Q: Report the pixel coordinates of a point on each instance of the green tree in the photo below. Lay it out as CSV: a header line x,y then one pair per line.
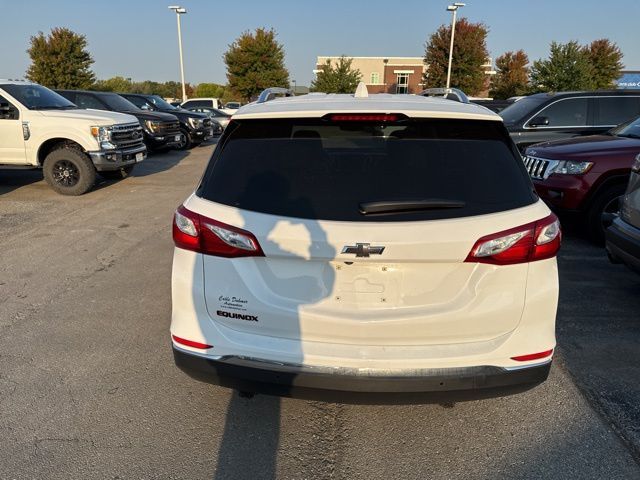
x,y
512,77
567,68
469,54
209,90
606,59
114,84
60,60
255,61
340,78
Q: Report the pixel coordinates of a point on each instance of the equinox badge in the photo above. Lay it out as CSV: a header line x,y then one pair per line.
x,y
362,250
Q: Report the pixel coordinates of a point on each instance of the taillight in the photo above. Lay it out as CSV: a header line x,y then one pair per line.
x,y
190,343
198,233
527,243
365,117
533,356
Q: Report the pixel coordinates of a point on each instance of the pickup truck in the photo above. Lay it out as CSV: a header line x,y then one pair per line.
x,y
41,129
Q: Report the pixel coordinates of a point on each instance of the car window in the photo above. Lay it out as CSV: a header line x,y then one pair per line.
x,y
197,103
312,168
616,110
84,100
140,102
521,108
7,110
570,112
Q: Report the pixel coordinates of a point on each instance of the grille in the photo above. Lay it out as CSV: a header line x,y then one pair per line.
x,y
169,128
539,168
127,136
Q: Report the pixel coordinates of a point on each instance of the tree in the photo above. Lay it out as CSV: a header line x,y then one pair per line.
x,y
114,84
469,54
512,77
255,61
210,90
606,59
568,68
60,60
337,79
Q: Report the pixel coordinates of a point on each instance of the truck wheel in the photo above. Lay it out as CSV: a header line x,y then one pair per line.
x,y
187,142
604,209
119,174
69,171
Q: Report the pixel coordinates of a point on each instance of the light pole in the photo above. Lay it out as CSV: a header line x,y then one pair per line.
x,y
180,11
452,8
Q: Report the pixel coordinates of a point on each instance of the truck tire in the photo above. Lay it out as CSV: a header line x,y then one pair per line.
x,y
69,171
604,208
187,141
119,174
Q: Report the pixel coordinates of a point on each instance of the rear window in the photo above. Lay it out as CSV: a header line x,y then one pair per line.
x,y
316,169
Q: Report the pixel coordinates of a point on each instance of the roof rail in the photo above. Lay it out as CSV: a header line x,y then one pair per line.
x,y
454,94
271,93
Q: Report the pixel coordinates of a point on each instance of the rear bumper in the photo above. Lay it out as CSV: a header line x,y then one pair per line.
x,y
623,244
345,384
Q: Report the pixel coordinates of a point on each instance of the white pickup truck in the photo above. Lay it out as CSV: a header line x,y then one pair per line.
x,y
41,129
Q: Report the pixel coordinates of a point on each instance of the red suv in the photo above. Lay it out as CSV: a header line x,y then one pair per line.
x,y
586,175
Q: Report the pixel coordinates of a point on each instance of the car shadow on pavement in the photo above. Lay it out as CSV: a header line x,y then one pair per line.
x,y
249,444
12,179
159,162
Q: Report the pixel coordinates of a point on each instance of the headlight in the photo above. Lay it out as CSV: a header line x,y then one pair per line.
x,y
103,136
195,122
569,167
152,125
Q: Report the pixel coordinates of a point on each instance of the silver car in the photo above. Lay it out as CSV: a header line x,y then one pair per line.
x,y
623,236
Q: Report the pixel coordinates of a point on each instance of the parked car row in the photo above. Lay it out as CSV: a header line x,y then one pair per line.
x,y
74,135
582,151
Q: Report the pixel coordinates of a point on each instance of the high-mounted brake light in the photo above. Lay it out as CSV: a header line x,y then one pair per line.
x,y
190,343
527,243
198,233
366,117
533,356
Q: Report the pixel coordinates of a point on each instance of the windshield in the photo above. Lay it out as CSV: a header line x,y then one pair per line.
x,y
422,169
161,103
628,129
37,97
519,109
117,103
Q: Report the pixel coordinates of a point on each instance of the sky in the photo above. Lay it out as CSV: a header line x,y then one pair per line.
x,y
138,38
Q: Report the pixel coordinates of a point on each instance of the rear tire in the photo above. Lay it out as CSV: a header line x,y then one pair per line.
x,y
604,209
119,174
69,171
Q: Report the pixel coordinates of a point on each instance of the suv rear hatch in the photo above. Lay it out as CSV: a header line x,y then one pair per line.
x,y
365,225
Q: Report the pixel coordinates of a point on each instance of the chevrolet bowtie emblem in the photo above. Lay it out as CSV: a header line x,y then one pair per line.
x,y
362,250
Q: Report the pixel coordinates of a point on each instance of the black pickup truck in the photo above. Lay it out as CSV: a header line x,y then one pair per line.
x,y
160,130
196,127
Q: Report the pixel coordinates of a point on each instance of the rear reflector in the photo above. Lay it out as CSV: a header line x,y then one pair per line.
x,y
526,243
366,117
201,234
533,356
191,343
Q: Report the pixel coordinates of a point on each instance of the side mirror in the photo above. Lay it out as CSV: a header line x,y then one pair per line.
x,y
539,121
146,107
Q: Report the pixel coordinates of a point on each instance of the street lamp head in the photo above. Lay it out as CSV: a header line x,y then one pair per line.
x,y
451,8
178,9
458,4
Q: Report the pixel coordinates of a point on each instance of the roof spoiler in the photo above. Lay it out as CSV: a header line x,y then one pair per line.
x,y
454,94
273,92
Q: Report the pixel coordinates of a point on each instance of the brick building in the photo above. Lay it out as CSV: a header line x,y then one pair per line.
x,y
395,74
386,74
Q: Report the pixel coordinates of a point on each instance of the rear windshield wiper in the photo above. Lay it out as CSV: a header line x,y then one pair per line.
x,y
400,206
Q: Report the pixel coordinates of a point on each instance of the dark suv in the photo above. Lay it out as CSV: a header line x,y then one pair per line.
x,y
160,130
554,116
195,127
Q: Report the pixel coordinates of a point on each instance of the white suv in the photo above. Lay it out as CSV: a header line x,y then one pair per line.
x,y
365,244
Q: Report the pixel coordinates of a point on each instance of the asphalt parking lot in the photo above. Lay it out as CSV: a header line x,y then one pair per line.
x,y
88,388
